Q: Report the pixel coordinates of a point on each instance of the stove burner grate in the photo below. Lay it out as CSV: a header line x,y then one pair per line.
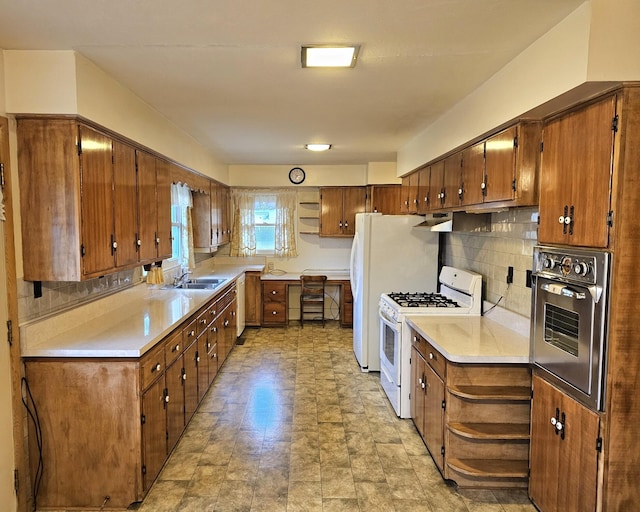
x,y
422,300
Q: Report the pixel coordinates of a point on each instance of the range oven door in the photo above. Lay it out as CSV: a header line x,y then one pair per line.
x,y
568,338
390,363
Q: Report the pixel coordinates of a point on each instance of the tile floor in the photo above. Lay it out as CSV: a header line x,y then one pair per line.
x,y
291,424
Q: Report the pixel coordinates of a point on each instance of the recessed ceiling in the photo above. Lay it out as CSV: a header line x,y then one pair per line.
x,y
228,72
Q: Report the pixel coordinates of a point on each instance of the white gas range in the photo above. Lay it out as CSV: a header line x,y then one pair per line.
x,y
460,294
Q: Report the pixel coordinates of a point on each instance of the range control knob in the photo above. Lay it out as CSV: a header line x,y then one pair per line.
x,y
549,263
582,269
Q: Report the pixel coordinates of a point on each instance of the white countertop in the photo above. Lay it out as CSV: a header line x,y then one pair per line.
x,y
125,324
332,275
472,339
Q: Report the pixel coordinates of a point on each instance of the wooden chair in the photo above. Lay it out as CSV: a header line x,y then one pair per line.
x,y
312,298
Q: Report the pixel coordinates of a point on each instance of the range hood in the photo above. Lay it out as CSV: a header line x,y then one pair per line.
x,y
457,221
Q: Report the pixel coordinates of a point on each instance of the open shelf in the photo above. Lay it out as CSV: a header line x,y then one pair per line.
x,y
512,393
490,468
491,431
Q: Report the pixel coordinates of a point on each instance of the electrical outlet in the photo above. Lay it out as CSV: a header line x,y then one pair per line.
x,y
509,275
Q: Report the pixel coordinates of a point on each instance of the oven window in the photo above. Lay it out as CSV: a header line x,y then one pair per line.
x,y
389,344
561,328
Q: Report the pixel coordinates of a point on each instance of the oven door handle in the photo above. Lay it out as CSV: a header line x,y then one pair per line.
x,y
565,291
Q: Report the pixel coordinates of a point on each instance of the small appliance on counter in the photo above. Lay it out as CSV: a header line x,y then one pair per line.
x,y
460,294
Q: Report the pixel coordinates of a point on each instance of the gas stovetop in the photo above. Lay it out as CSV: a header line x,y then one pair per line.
x,y
460,294
422,300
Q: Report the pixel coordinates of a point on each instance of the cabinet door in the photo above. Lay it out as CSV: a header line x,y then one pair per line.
x,y
154,432
190,379
555,484
405,193
413,192
253,299
125,204
354,201
331,211
175,402
386,199
500,166
452,177
163,195
575,176
147,206
418,386
434,415
436,186
203,235
215,213
424,180
472,174
96,203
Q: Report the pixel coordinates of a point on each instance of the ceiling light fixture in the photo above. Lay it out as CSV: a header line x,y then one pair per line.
x,y
317,147
329,56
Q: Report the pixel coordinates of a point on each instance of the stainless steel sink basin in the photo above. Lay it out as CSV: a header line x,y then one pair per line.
x,y
201,283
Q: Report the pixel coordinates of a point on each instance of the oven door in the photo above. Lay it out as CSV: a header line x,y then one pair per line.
x,y
567,338
390,363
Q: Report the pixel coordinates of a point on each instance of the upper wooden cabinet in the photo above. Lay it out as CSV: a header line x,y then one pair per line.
x,y
211,217
385,199
575,179
84,210
409,193
338,208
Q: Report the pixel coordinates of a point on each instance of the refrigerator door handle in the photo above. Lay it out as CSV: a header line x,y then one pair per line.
x,y
352,279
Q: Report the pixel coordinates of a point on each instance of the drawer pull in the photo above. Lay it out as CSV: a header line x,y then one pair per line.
x,y
274,312
166,398
431,356
273,292
203,321
156,368
226,323
191,333
175,348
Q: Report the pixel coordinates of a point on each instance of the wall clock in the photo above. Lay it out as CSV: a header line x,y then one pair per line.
x,y
296,175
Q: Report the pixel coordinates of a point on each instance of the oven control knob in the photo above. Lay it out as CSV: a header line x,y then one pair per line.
x,y
582,269
549,263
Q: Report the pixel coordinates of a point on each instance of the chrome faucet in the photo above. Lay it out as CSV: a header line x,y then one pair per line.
x,y
177,281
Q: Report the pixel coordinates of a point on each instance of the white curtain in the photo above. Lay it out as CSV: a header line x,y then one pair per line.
x,y
181,198
243,234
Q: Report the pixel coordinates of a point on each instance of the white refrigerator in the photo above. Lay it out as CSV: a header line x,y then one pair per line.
x,y
389,254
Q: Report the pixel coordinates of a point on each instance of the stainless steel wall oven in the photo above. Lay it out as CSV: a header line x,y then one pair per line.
x,y
569,328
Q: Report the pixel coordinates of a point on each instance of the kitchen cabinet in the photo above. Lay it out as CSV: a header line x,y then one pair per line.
x,y
119,418
275,303
473,418
338,208
564,451
77,187
424,183
427,405
385,199
346,304
211,215
253,298
223,214
163,193
409,193
576,176
445,182
472,176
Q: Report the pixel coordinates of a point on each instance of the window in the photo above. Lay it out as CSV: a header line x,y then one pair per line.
x,y
181,231
263,223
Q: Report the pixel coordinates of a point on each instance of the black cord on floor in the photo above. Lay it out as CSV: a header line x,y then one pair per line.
x,y
27,400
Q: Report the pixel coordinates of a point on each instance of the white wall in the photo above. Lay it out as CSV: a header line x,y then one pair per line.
x,y
551,66
278,175
382,173
65,82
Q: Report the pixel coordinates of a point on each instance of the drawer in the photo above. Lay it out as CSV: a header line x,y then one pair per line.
x,y
274,313
274,291
173,347
430,354
214,310
152,365
202,322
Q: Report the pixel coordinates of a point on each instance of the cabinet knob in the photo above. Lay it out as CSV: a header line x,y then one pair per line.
x,y
191,333
156,368
197,359
226,323
273,292
175,348
184,376
166,398
554,421
139,242
483,185
431,356
203,321
115,245
274,312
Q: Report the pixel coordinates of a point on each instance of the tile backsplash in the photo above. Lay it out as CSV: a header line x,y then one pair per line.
x,y
510,243
58,296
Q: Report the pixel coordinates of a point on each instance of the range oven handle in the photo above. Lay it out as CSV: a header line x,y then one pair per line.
x,y
565,291
391,323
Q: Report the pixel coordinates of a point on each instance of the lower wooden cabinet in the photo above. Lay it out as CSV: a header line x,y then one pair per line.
x,y
564,451
108,425
346,304
473,418
253,299
275,303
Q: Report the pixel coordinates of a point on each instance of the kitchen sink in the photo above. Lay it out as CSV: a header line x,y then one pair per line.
x,y
199,283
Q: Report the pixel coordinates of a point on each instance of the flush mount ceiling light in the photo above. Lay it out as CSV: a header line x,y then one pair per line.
x,y
317,147
329,56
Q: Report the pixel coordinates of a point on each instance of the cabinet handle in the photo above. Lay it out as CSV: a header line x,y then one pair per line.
x,y
166,398
138,242
274,312
197,359
156,368
203,321
214,329
460,192
208,345
191,333
431,356
273,292
346,224
340,224
226,323
175,348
